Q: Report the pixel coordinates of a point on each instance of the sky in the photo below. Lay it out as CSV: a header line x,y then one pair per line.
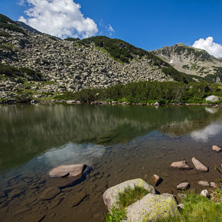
x,y
147,24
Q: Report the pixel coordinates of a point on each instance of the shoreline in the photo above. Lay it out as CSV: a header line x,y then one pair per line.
x,y
70,102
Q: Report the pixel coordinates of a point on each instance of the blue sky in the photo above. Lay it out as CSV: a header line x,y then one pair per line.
x,y
148,24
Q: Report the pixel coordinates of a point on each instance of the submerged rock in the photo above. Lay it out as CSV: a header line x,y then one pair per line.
x,y
180,165
183,186
213,184
50,193
204,183
216,148
110,196
67,177
67,170
156,180
199,166
151,208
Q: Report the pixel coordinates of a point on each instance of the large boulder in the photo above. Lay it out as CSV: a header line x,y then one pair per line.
x,y
212,98
151,208
110,196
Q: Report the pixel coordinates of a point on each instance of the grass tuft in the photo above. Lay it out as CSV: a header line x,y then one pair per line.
x,y
129,196
116,215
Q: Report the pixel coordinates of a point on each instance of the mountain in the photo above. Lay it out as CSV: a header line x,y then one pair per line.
x,y
37,65
193,61
27,27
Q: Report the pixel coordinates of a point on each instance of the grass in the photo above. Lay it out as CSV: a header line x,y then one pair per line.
x,y
129,196
116,215
199,209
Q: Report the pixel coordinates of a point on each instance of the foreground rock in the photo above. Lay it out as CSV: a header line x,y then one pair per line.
x,y
180,165
216,148
183,186
199,166
49,193
110,196
151,208
67,170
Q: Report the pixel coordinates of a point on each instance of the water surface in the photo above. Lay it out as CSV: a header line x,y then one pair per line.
x,y
119,142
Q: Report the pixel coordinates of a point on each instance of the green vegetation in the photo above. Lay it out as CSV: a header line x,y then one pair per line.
x,y
198,208
11,71
72,39
126,198
7,23
116,215
129,196
122,51
148,92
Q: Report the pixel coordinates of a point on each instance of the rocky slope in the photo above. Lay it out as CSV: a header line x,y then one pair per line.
x,y
36,65
65,65
192,61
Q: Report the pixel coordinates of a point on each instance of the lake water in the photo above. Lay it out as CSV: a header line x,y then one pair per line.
x,y
119,142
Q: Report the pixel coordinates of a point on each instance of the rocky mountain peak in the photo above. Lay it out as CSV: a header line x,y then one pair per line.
x,y
191,60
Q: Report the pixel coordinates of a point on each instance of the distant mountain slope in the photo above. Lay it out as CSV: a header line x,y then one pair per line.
x,y
191,60
27,27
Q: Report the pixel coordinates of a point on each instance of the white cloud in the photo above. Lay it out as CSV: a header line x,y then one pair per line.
x,y
210,46
60,18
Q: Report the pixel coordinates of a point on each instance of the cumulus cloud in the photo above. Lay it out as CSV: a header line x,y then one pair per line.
x,y
60,18
210,46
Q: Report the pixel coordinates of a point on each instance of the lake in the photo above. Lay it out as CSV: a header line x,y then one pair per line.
x,y
118,142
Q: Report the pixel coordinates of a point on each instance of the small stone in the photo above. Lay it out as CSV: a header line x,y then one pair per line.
x,y
204,193
199,166
204,183
156,104
216,148
183,186
180,206
181,196
213,184
156,180
180,165
49,193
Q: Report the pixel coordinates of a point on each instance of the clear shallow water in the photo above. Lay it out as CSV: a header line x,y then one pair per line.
x,y
119,142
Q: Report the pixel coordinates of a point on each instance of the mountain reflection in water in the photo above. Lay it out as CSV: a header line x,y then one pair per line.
x,y
27,131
